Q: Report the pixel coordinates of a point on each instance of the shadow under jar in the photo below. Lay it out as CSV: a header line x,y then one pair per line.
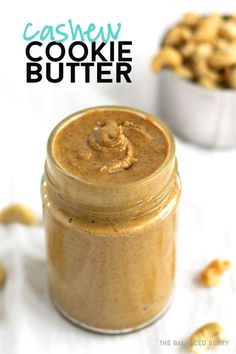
x,y
110,193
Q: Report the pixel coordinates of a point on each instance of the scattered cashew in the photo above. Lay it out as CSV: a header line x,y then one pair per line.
x,y
167,57
2,275
206,337
211,275
17,213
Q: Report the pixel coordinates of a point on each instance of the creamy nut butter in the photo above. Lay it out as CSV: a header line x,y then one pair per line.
x,y
110,193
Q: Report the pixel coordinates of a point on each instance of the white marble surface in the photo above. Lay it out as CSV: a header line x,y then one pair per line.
x,y
28,321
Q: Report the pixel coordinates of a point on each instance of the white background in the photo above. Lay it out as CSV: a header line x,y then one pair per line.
x,y
28,321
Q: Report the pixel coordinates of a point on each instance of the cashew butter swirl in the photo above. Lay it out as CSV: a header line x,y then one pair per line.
x,y
110,146
110,138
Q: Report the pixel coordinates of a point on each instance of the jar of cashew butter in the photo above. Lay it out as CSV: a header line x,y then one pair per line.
x,y
110,194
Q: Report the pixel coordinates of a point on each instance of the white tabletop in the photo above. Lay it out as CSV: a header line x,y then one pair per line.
x,y
28,321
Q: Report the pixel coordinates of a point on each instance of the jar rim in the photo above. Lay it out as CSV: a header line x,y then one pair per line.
x,y
155,120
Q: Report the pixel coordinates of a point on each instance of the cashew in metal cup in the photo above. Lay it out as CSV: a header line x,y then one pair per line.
x,y
201,49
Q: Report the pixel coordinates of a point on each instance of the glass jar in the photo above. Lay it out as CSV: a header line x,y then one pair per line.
x,y
111,247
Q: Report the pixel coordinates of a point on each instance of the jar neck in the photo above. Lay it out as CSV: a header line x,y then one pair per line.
x,y
109,201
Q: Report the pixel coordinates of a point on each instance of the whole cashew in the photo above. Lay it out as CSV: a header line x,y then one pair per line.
x,y
228,30
191,19
188,49
202,69
184,72
205,337
17,213
208,83
178,35
211,275
223,58
203,50
167,57
208,29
